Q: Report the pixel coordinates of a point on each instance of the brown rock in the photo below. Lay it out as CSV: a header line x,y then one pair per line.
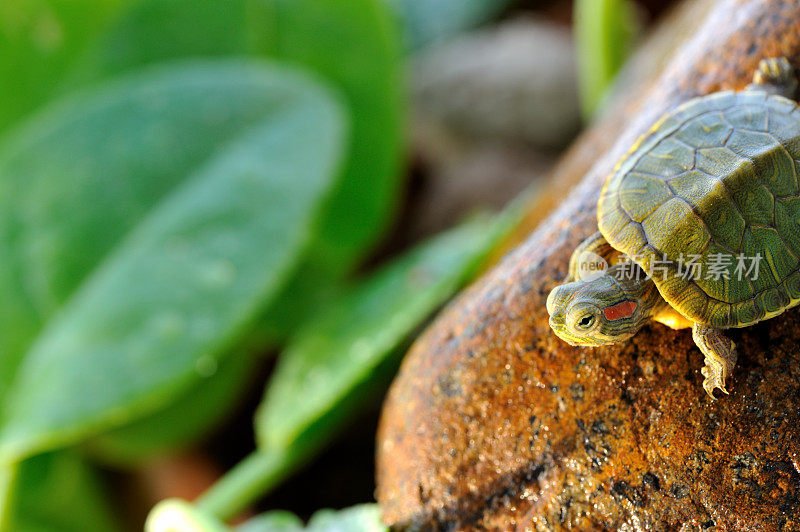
x,y
493,423
459,175
516,82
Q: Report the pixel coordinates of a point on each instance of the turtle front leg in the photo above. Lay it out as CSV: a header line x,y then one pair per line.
x,y
775,75
720,356
578,262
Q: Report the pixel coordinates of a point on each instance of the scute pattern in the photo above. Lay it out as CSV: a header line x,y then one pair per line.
x,y
643,195
703,192
788,223
706,131
717,177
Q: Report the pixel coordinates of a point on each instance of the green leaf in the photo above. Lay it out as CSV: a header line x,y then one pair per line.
x,y
604,33
341,355
147,32
354,45
61,214
274,521
174,515
188,418
344,354
189,192
362,518
153,31
39,41
426,22
358,51
58,491
340,348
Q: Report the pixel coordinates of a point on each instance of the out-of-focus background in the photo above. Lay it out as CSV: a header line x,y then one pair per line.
x,y
222,222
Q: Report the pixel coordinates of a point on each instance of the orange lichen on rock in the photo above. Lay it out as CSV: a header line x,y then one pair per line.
x,y
493,423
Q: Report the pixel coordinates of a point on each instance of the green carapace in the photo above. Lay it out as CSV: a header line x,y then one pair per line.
x,y
699,226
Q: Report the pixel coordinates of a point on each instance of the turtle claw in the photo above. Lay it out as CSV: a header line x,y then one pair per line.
x,y
709,386
720,357
714,380
775,75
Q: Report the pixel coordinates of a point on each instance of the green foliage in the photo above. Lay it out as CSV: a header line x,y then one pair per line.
x,y
194,413
353,45
153,31
604,32
361,518
330,370
59,492
339,349
274,521
178,516
427,22
186,279
39,42
187,205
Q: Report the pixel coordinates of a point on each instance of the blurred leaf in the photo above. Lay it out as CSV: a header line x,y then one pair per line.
x,y
39,40
355,48
604,33
152,31
338,360
362,518
185,420
340,348
146,32
427,22
175,515
354,45
274,521
201,256
59,492
83,174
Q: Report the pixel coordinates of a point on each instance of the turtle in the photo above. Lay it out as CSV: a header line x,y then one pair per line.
x,y
699,226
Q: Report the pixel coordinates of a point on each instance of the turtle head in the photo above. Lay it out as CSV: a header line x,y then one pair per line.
x,y
596,311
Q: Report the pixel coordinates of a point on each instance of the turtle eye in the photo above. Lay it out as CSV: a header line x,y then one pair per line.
x,y
583,320
586,321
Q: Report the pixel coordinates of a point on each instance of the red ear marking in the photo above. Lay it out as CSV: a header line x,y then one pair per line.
x,y
620,310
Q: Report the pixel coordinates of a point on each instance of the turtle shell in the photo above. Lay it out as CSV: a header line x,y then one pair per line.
x,y
714,183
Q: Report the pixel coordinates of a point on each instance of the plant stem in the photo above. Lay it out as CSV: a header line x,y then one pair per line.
x,y
251,479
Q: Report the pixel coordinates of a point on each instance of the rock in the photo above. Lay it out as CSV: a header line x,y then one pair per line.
x,y
489,109
514,82
493,423
461,175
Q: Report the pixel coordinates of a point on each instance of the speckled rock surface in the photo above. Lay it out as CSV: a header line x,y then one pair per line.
x,y
495,424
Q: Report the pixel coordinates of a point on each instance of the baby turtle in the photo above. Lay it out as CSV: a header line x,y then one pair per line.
x,y
700,224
